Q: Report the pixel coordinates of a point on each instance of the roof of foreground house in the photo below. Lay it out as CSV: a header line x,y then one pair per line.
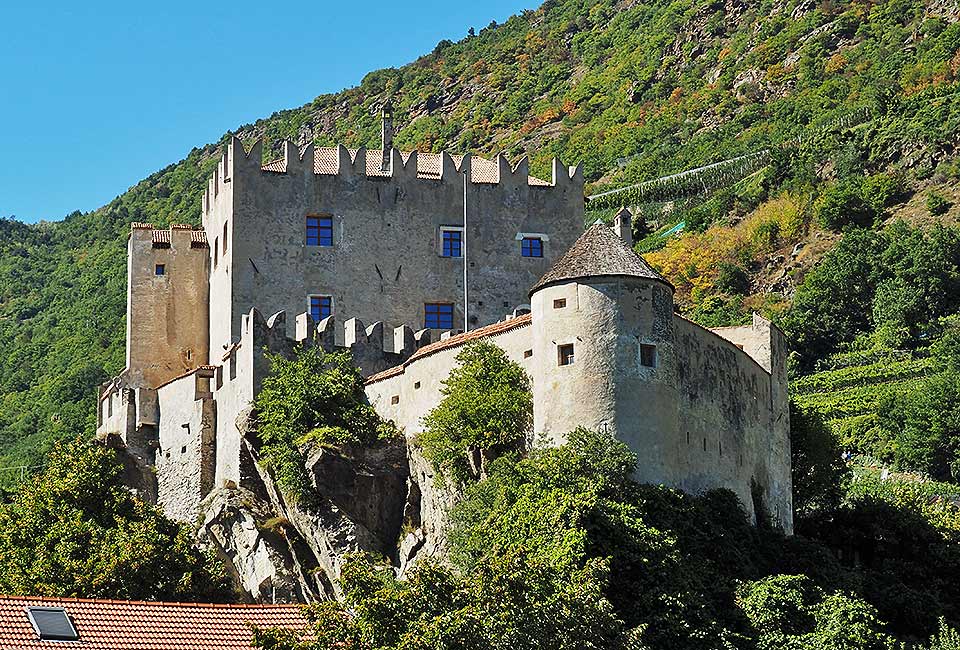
x,y
598,252
134,625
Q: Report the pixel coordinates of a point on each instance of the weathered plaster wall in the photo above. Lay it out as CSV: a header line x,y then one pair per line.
x,y
167,315
186,457
386,259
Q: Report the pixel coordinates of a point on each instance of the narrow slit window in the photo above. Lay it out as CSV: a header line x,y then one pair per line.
x,y
452,243
648,355
216,251
531,247
319,231
438,315
224,238
320,307
416,386
565,354
559,303
160,269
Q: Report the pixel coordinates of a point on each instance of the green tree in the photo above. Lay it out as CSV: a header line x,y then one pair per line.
x,y
75,530
817,470
486,410
842,205
315,397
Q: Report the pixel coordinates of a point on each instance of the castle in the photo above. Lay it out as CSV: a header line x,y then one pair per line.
x,y
403,258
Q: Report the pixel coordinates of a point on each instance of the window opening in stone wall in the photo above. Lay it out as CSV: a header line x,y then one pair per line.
x,y
183,449
224,238
395,399
438,315
531,247
416,386
160,269
688,437
319,231
720,447
565,354
452,243
320,307
704,444
216,249
648,355
527,354
559,303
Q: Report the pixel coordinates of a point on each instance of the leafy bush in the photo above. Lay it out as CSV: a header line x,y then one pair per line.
x,y
937,204
76,530
842,205
793,612
486,410
316,397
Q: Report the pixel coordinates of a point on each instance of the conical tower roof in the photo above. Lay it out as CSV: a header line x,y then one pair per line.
x,y
599,251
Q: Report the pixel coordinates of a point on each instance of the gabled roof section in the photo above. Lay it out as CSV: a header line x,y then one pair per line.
x,y
599,251
129,625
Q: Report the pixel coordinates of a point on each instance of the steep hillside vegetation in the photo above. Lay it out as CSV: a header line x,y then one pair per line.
x,y
814,94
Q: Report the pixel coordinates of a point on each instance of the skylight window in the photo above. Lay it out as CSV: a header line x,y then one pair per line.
x,y
52,624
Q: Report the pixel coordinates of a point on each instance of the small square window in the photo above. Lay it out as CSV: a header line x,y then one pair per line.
x,y
160,269
648,355
559,303
416,386
565,354
452,243
527,354
320,307
319,231
531,247
395,399
438,315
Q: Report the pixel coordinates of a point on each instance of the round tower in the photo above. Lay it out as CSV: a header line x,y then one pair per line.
x,y
603,348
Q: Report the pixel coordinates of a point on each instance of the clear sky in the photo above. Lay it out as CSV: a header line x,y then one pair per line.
x,y
95,96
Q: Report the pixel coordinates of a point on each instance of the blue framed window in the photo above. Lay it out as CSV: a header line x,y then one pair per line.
x,y
452,243
320,307
160,269
438,315
319,231
531,247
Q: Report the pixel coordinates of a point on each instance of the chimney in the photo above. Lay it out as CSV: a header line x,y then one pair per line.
x,y
623,226
386,134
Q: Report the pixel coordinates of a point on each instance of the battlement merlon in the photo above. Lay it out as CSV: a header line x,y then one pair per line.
x,y
403,166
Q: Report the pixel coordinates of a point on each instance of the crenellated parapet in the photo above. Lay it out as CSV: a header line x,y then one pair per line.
x,y
377,164
372,351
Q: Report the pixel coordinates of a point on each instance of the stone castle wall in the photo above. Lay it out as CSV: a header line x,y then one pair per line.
x,y
706,415
167,303
385,262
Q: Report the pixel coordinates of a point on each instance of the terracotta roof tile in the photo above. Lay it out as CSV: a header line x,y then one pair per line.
x,y
454,342
161,237
133,625
598,252
198,239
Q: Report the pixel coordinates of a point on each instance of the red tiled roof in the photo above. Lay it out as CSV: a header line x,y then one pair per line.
x,y
454,342
132,625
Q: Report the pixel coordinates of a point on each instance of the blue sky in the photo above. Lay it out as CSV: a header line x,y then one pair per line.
x,y
95,96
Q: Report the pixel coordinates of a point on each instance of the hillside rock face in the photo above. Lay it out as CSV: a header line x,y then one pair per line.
x,y
279,550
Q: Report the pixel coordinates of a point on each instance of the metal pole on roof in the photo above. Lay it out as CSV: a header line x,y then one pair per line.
x,y
466,293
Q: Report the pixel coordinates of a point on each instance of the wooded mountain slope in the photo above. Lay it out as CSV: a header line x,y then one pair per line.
x,y
633,90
